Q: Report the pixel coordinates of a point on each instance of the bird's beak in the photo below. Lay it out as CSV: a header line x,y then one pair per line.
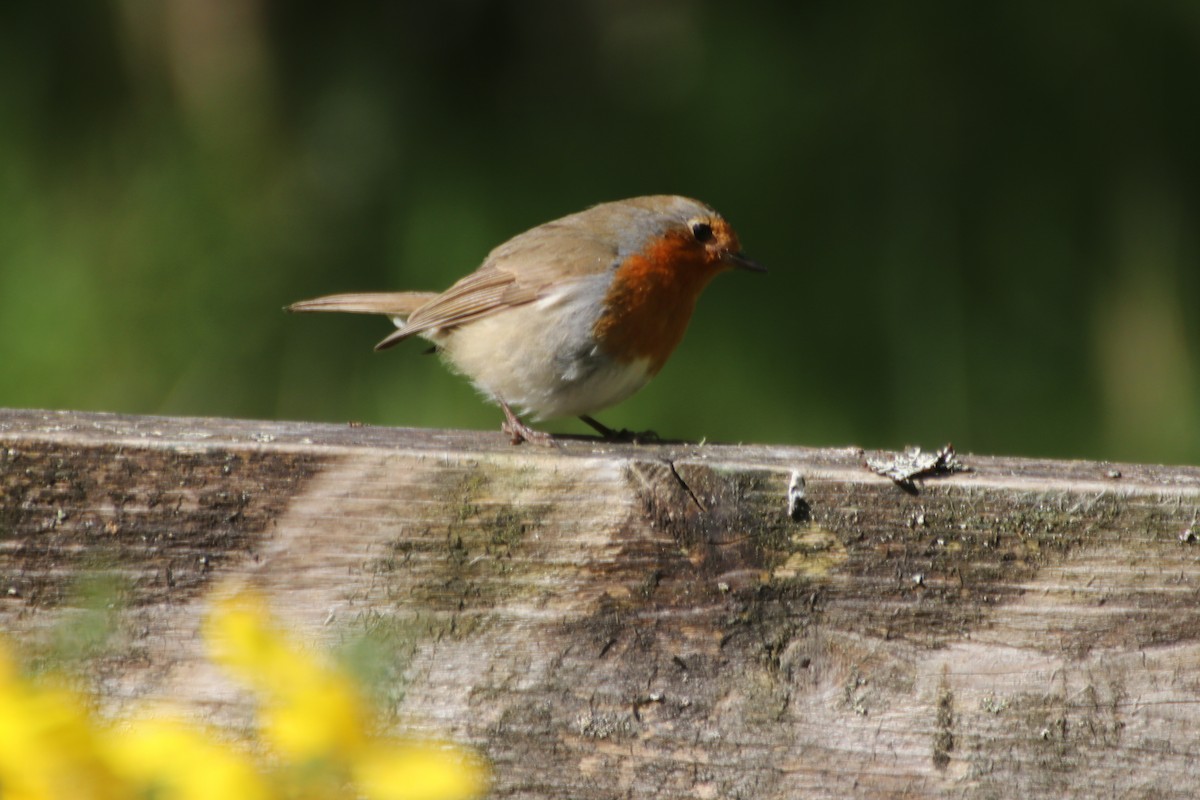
x,y
740,261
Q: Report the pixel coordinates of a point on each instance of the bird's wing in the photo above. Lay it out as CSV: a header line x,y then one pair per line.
x,y
517,272
484,291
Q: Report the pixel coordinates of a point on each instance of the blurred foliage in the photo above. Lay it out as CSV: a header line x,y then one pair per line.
x,y
980,219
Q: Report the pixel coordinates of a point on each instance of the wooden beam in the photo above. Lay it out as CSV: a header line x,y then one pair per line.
x,y
609,621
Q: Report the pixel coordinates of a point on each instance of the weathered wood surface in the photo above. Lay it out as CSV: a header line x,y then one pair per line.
x,y
622,621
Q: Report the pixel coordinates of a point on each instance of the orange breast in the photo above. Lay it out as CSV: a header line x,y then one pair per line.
x,y
651,299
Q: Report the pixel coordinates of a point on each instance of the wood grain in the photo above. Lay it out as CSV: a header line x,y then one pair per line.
x,y
629,621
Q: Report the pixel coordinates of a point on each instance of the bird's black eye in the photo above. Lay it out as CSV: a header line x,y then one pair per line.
x,y
702,231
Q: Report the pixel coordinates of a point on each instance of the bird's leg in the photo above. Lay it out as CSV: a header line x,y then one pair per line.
x,y
519,432
623,435
600,427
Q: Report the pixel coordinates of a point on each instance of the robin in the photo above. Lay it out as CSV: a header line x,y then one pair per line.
x,y
572,316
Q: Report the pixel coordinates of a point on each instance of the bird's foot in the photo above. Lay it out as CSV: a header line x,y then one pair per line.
x,y
518,431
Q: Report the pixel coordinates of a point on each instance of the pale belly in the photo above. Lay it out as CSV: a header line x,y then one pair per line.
x,y
541,358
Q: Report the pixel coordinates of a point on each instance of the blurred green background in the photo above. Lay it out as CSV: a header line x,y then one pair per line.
x,y
981,222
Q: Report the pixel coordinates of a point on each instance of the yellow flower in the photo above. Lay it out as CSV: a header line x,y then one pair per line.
x,y
165,758
310,711
419,770
313,717
48,749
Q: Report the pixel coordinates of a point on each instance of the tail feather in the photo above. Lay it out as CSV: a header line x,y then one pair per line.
x,y
392,304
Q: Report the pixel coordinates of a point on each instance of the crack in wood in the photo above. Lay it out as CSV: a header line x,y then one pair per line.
x,y
671,464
